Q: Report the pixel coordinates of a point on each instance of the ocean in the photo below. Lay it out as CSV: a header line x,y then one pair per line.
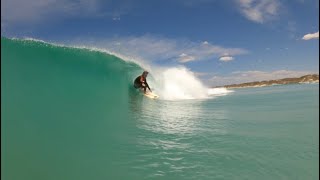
x,y
71,113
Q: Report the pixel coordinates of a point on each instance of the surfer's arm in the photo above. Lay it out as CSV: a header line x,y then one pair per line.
x,y
147,85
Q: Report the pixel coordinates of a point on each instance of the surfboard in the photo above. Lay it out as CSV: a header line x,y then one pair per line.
x,y
151,95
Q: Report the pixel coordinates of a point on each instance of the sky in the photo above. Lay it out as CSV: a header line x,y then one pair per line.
x,y
222,42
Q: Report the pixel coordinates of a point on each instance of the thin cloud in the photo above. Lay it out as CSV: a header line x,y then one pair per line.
x,y
311,36
157,48
116,18
185,58
226,58
292,29
251,76
205,42
32,10
21,12
259,11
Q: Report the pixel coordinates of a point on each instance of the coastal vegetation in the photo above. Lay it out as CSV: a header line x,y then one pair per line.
x,y
310,78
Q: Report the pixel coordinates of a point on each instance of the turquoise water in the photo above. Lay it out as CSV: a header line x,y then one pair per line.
x,y
72,113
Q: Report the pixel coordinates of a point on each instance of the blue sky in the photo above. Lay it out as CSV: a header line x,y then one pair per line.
x,y
222,42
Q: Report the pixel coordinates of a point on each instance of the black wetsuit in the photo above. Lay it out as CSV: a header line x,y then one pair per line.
x,y
138,84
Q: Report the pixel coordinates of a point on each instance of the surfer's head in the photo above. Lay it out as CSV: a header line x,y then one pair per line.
x,y
145,73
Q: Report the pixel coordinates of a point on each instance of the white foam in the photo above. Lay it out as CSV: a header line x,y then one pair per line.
x,y
219,91
176,83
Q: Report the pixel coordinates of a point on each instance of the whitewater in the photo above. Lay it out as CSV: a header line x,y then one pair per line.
x,y
71,112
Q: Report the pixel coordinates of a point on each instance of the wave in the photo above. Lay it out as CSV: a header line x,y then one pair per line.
x,y
171,83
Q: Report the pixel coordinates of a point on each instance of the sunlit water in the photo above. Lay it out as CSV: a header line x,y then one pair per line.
x,y
259,133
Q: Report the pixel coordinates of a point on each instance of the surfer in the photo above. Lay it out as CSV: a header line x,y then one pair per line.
x,y
141,82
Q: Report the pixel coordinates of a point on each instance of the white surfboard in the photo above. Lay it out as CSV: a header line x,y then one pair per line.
x,y
151,95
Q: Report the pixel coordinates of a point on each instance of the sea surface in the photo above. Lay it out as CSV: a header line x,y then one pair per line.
x,y
72,114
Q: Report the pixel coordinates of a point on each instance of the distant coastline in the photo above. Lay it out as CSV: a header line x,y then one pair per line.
x,y
310,78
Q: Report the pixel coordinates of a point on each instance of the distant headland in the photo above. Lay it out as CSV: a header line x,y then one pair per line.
x,y
310,78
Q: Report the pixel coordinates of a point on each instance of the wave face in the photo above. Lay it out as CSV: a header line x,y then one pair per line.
x,y
35,69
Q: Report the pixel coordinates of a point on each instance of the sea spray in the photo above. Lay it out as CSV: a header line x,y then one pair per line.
x,y
177,83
